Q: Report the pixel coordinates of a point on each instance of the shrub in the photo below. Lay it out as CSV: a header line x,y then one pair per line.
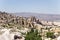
x,y
50,35
33,35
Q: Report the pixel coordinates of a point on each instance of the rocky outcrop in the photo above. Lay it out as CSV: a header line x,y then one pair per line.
x,y
10,34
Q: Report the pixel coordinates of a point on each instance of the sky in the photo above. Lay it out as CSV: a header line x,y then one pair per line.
x,y
34,6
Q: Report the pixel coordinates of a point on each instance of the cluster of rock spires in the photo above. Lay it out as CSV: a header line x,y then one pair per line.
x,y
10,20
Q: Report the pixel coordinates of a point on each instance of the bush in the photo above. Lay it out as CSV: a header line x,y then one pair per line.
x,y
50,35
33,35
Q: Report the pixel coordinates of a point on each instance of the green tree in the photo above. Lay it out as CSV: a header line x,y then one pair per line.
x,y
33,35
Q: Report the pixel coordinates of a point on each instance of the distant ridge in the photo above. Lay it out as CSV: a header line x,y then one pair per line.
x,y
47,17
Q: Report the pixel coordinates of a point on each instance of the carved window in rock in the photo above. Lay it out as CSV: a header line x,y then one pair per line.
x,y
22,22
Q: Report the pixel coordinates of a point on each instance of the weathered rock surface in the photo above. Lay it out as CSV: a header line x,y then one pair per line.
x,y
9,35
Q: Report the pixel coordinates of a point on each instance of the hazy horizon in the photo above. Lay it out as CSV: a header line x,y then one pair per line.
x,y
33,6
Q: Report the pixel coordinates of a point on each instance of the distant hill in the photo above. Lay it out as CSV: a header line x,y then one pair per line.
x,y
47,17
